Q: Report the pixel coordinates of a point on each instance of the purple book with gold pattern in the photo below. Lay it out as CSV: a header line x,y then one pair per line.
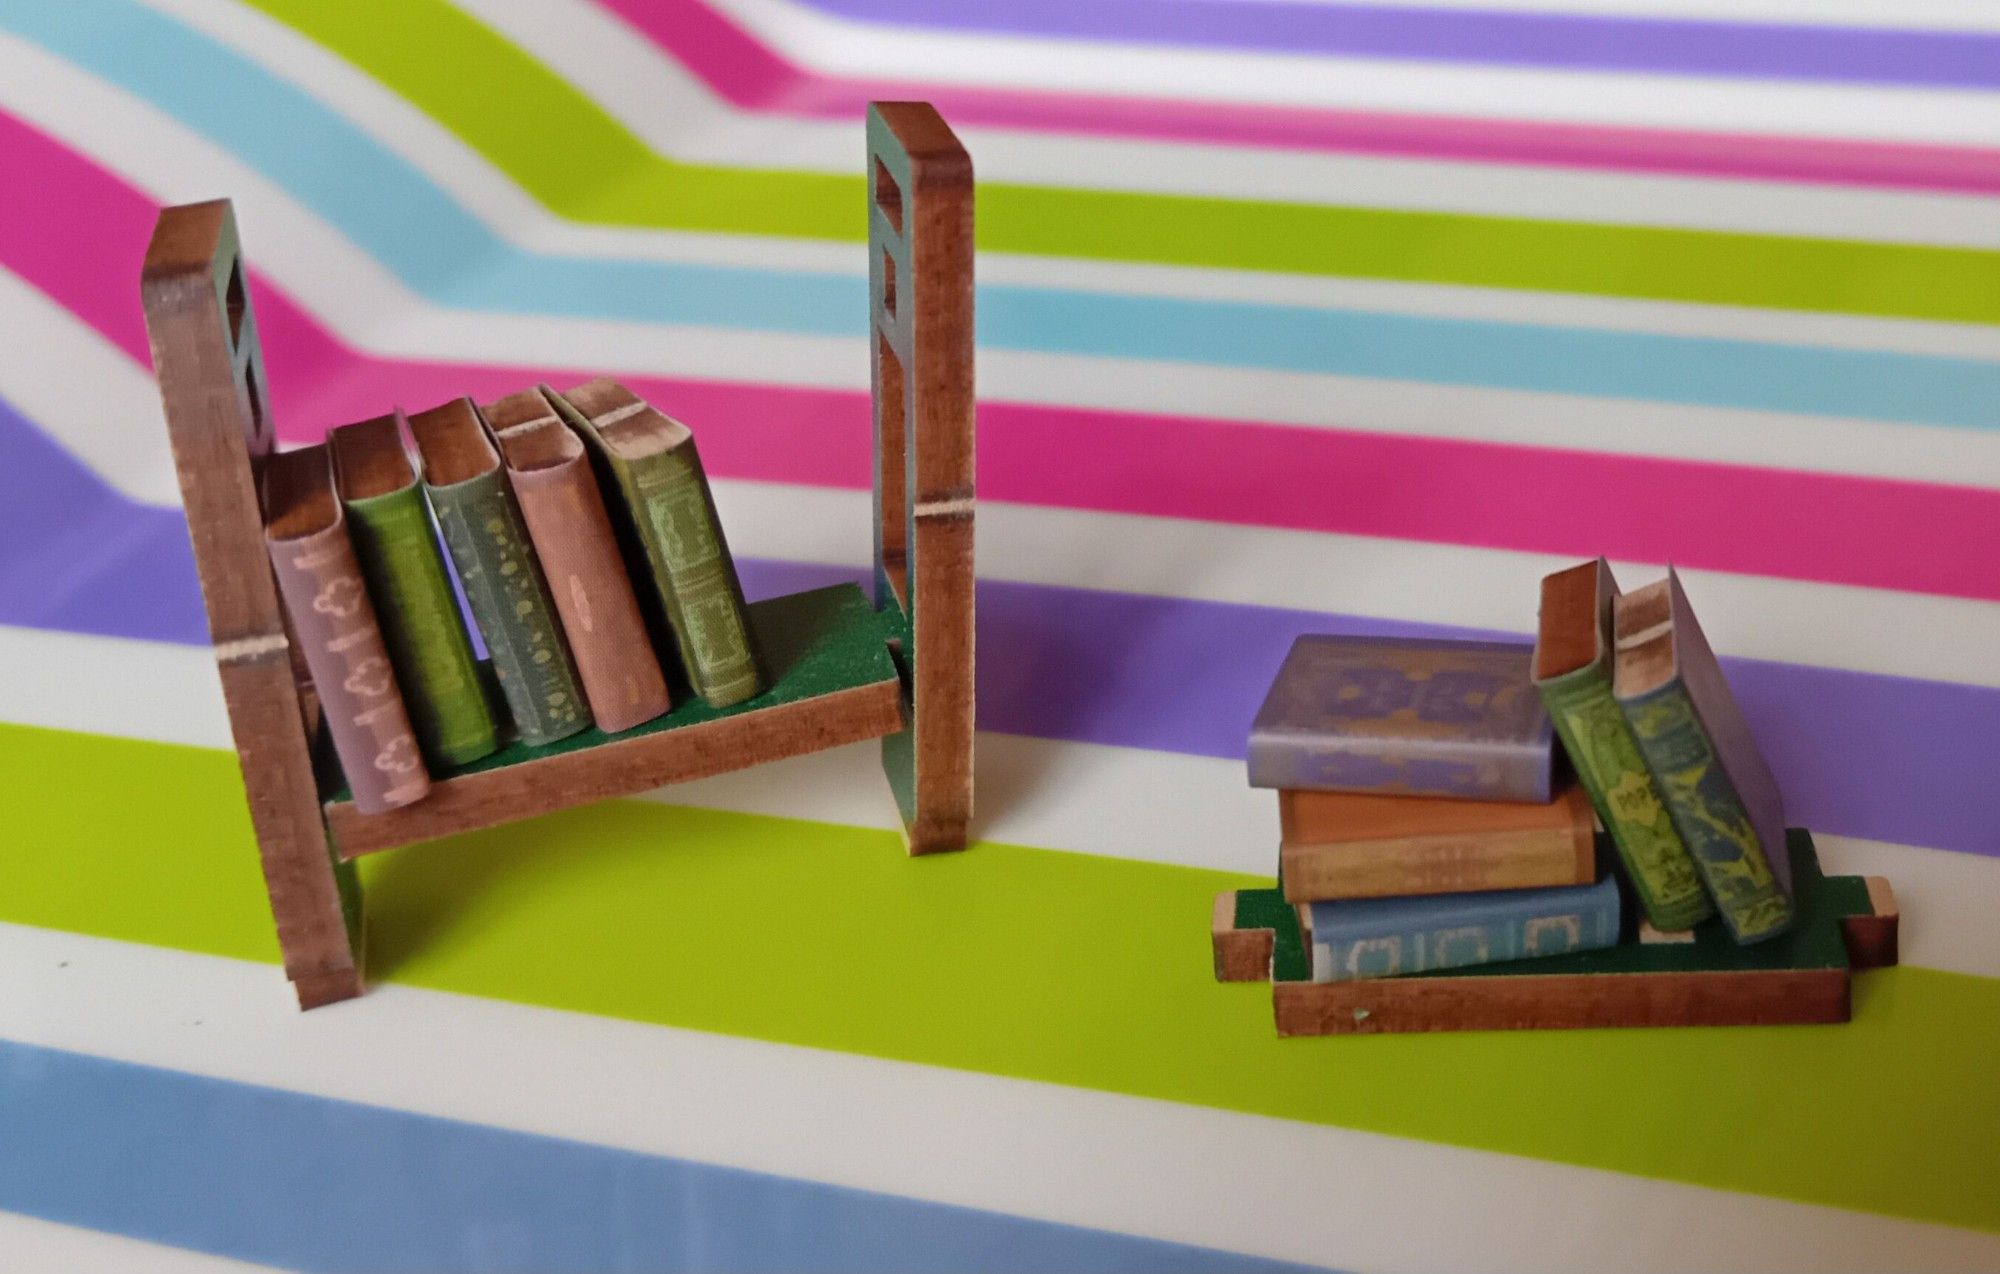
x,y
1408,716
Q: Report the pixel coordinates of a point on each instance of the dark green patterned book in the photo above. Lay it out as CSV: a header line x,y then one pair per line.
x,y
391,529
1718,789
650,460
1573,653
502,578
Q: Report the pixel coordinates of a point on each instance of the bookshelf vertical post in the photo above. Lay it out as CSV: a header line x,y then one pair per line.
x,y
920,254
210,370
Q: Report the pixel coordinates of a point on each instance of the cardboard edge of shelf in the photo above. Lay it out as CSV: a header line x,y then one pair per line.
x,y
623,767
1710,997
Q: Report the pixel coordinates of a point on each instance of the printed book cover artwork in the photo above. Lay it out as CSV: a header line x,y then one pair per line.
x,y
1406,716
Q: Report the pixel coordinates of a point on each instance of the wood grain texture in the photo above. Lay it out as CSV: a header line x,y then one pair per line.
x,y
1872,940
1382,1006
920,313
1357,845
209,367
1241,955
622,767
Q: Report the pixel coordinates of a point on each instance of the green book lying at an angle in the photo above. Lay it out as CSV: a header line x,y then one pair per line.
x,y
652,463
391,529
1573,654
1718,789
502,578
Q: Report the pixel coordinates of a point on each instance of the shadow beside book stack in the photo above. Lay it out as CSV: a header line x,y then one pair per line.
x,y
1441,867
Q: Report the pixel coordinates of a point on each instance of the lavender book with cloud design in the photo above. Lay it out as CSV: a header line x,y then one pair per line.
x,y
1408,716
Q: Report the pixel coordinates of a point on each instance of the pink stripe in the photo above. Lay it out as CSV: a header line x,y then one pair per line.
x,y
737,67
81,238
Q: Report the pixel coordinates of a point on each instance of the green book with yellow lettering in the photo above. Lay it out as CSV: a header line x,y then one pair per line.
x,y
1717,787
503,579
651,462
1572,670
390,526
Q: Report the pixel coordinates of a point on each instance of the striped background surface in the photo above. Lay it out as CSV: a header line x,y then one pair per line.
x,y
1294,316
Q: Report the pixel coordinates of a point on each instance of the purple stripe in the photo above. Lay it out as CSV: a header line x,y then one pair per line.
x,y
1889,758
1575,42
77,555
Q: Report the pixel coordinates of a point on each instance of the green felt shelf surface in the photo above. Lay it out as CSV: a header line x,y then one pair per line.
x,y
1814,942
812,644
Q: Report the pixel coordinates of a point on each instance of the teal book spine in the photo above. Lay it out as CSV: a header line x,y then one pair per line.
x,y
510,601
1391,937
1709,813
1598,738
420,622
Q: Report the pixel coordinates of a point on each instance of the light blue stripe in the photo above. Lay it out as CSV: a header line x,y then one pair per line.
x,y
440,251
310,1183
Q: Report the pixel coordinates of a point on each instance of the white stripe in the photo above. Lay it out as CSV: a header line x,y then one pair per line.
x,y
683,121
63,375
679,116
30,1245
1159,1169
363,303
1086,798
854,49
121,437
105,414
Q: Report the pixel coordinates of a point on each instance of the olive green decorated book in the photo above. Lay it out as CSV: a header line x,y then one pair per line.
x,y
1572,670
1718,789
503,579
391,529
652,463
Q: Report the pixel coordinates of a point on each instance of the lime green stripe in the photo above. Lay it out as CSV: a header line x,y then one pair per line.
x,y
583,164
1061,967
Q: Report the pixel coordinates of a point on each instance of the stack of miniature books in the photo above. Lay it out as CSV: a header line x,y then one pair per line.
x,y
1431,821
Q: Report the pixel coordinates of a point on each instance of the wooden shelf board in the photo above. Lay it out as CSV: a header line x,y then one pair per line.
x,y
832,682
1845,923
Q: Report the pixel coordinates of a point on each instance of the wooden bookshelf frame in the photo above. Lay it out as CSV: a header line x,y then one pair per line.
x,y
210,370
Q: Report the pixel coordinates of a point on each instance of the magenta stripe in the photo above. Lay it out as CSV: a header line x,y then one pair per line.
x,y
740,69
81,239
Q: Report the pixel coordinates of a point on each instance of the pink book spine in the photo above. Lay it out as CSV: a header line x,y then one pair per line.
x,y
334,622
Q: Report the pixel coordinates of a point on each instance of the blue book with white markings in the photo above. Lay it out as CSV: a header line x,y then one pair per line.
x,y
1384,937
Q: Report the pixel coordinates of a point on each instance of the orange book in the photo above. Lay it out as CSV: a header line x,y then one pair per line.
x,y
1354,845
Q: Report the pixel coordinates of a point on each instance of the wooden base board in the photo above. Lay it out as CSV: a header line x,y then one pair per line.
x,y
832,682
1845,923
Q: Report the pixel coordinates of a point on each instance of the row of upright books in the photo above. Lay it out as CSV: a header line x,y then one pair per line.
x,y
1431,820
584,538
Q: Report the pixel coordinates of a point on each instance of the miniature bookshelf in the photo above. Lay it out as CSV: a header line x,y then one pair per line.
x,y
841,669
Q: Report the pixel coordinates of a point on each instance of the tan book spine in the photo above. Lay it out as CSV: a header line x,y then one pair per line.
x,y
593,596
1447,860
334,622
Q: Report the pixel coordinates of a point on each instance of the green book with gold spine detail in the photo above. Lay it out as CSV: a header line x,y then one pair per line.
x,y
503,580
1572,670
1718,790
651,461
391,529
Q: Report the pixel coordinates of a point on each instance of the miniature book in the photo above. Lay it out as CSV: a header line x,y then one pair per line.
x,y
503,581
1720,793
573,538
334,625
1386,937
668,510
1405,716
1573,658
391,529
1351,845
